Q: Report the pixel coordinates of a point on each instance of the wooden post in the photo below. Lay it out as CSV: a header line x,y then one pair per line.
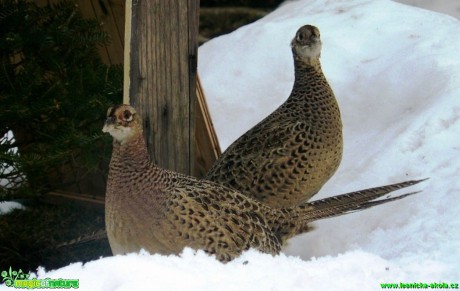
x,y
160,76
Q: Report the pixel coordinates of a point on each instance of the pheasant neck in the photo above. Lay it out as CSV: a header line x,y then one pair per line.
x,y
310,81
132,153
313,96
304,68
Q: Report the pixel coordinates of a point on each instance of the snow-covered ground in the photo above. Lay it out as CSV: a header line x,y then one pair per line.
x,y
395,70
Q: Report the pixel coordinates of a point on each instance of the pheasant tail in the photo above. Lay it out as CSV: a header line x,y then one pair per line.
x,y
353,201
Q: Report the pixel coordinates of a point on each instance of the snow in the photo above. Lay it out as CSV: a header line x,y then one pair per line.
x,y
450,7
8,206
395,71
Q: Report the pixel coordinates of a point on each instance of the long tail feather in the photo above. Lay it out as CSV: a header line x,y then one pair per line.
x,y
353,201
96,235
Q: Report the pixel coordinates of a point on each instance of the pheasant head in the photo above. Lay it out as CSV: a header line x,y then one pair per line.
x,y
122,123
306,45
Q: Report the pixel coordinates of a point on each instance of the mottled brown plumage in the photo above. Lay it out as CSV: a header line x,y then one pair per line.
x,y
287,157
163,211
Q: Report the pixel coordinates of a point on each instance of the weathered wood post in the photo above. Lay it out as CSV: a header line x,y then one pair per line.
x,y
160,76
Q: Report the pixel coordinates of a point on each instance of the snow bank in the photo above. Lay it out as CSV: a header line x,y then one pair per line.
x,y
450,7
396,74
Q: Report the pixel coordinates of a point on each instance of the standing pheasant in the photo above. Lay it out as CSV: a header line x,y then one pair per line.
x,y
287,157
162,211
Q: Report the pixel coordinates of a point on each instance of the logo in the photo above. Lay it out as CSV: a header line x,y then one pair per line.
x,y
18,279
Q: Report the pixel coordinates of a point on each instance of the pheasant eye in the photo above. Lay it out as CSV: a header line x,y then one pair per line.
x,y
300,37
127,115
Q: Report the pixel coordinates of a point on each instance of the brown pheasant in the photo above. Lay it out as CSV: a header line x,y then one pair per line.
x,y
161,211
286,158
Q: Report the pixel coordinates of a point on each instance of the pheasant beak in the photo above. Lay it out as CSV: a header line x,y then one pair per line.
x,y
109,122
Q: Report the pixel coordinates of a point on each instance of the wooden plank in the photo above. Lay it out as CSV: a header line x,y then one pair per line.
x,y
207,145
102,10
87,11
59,197
117,13
162,79
111,14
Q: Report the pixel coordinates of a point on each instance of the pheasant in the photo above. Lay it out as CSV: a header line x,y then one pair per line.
x,y
287,157
162,211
